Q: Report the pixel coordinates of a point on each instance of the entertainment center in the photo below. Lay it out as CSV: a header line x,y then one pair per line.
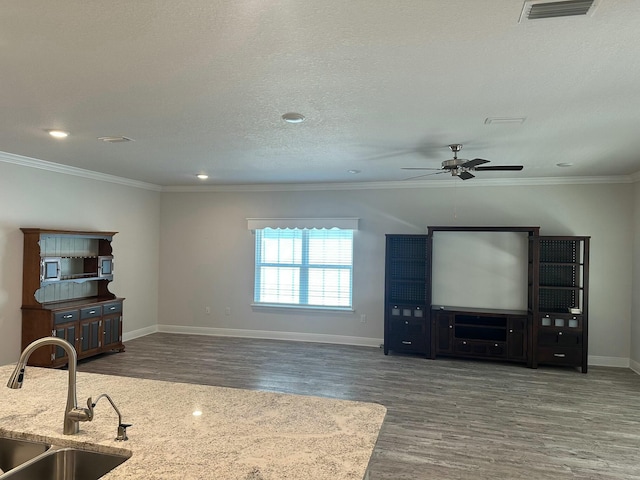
x,y
551,280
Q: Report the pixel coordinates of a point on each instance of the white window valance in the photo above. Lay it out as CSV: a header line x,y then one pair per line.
x,y
343,223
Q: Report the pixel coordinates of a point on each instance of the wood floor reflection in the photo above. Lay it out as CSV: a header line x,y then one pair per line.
x,y
447,418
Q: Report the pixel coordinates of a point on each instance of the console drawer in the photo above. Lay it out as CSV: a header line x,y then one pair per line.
x,y
551,337
403,343
480,348
560,355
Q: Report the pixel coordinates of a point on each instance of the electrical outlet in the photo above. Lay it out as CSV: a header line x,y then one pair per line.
x,y
207,310
363,318
227,311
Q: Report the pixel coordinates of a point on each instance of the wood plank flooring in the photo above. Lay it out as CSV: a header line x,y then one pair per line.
x,y
447,418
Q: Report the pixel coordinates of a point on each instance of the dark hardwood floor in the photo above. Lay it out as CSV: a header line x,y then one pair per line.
x,y
447,418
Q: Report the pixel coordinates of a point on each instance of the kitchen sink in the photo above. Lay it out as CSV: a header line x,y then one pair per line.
x,y
25,460
66,464
14,452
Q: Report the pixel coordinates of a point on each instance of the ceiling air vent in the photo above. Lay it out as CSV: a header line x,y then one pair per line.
x,y
115,139
536,9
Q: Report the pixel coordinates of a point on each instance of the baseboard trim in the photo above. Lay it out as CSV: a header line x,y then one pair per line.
x,y
272,335
635,366
142,332
598,361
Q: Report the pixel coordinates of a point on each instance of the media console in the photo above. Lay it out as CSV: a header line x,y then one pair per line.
x,y
553,329
480,333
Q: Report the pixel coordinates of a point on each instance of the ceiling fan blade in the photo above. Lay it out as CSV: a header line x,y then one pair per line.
x,y
473,163
502,168
425,175
465,175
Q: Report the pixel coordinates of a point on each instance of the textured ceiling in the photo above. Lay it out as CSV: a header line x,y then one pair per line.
x,y
200,85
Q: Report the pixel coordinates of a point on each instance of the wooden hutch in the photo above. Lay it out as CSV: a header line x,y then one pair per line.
x,y
65,294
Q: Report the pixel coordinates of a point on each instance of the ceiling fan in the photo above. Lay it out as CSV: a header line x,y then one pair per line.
x,y
462,168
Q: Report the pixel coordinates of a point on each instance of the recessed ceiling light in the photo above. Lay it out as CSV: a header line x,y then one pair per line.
x,y
293,117
58,133
564,164
354,172
202,176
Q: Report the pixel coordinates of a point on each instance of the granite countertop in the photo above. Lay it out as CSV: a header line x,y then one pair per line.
x,y
241,434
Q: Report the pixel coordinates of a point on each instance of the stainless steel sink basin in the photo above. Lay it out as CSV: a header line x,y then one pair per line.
x,y
66,464
14,452
27,460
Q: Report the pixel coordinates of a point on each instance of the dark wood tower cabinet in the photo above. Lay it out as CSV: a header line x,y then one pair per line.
x,y
407,322
560,300
65,294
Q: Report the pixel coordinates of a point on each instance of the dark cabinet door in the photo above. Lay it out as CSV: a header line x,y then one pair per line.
x,y
517,339
408,335
68,333
112,332
444,332
90,341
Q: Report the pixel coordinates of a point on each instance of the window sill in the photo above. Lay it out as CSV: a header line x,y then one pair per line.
x,y
284,306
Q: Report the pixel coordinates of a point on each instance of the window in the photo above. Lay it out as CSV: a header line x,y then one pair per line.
x,y
304,267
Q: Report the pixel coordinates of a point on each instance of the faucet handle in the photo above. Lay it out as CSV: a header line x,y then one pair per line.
x,y
122,432
82,414
89,408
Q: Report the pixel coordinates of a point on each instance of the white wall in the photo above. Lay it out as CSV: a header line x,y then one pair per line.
x,y
207,252
635,322
32,197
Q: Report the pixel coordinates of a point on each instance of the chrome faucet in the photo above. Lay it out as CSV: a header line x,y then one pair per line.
x,y
72,414
122,427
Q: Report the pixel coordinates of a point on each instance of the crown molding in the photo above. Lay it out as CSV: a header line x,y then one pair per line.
x,y
306,187
74,171
635,177
454,183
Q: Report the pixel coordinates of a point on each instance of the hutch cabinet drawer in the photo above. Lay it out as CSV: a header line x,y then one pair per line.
x,y
90,312
560,355
109,308
66,317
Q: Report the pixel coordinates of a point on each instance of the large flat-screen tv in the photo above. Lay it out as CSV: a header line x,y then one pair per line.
x,y
479,269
